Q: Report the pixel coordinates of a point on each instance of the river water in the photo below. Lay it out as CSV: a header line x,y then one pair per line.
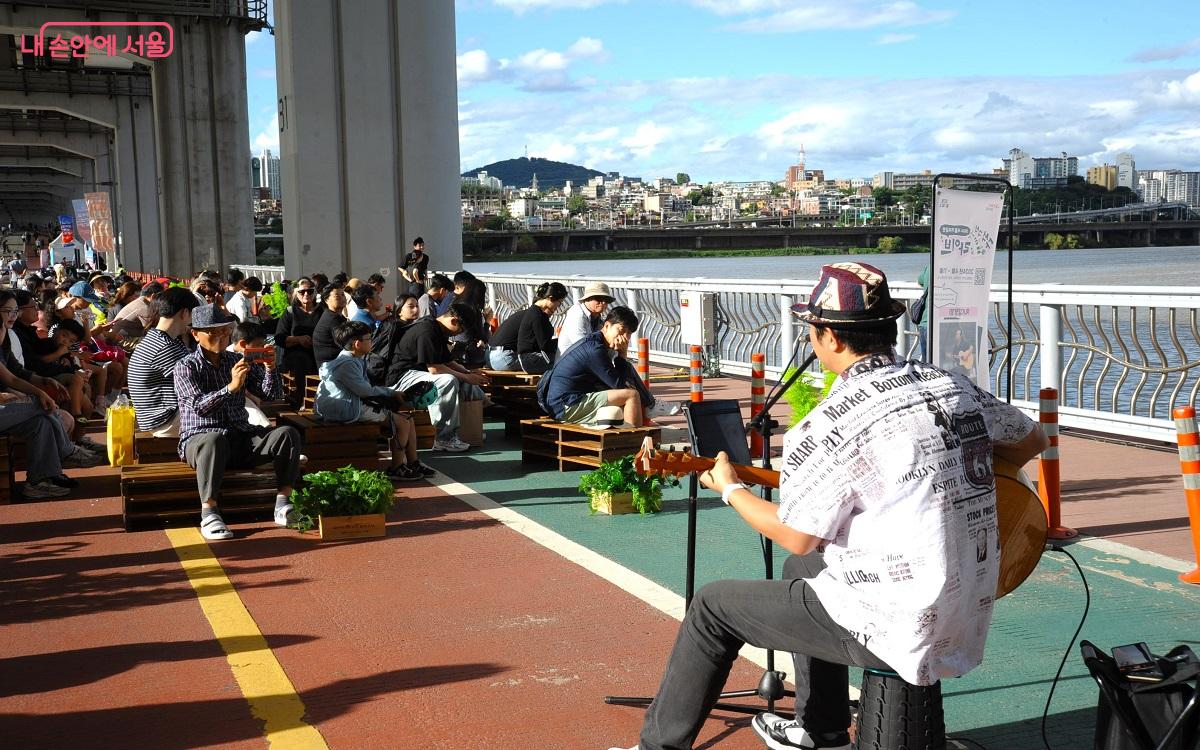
x,y
1137,266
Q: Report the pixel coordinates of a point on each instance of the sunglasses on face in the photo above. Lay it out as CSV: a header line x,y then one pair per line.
x,y
306,291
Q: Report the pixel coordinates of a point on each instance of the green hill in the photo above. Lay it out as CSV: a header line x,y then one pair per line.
x,y
519,172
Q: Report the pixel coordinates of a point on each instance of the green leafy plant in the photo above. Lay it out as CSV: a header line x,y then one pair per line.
x,y
343,492
804,397
613,477
276,300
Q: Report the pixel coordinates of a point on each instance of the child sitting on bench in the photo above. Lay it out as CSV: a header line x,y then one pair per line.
x,y
251,335
344,385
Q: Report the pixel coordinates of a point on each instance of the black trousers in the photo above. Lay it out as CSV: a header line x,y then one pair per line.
x,y
783,615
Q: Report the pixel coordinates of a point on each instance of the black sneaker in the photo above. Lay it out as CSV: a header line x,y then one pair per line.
x,y
403,473
786,734
62,480
426,471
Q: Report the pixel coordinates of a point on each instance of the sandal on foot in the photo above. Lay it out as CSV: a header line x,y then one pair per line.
x,y
213,526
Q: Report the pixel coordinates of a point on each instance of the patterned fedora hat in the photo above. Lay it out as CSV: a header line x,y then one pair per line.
x,y
849,294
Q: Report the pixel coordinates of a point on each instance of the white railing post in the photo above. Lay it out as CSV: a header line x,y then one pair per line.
x,y
631,298
1050,354
787,329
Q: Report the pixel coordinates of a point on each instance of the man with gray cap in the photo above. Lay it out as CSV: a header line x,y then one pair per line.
x,y
214,432
585,316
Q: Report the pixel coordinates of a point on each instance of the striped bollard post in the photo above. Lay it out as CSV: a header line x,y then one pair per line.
x,y
1049,485
643,365
1189,464
758,391
697,373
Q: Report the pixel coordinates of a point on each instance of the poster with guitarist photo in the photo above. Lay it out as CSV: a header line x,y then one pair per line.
x,y
959,345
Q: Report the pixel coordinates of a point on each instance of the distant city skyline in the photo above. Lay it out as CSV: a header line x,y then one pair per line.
x,y
730,89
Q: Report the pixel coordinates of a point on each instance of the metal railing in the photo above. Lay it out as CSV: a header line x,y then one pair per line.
x,y
1121,357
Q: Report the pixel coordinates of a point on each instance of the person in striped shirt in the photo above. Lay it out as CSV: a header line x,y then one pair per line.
x,y
151,382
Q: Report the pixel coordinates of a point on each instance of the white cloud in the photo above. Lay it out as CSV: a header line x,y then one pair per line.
x,y
538,70
542,59
1186,91
895,38
268,137
1156,54
785,17
646,138
524,6
586,48
475,66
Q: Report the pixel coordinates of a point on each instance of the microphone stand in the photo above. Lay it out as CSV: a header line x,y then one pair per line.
x,y
770,686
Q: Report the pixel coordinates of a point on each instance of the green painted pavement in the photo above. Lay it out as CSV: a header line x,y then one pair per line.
x,y
999,704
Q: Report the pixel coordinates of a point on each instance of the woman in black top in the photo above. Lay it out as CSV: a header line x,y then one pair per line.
x,y
525,340
324,347
295,334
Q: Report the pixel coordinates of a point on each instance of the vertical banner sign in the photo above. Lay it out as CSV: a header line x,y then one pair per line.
x,y
100,219
964,247
66,225
83,229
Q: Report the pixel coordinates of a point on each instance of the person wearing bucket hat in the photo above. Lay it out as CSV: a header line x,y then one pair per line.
x,y
884,490
214,431
585,316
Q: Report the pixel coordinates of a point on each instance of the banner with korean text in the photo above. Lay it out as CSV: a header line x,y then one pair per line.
x,y
100,220
966,227
83,228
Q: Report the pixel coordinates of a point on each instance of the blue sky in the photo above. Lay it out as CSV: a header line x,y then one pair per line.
x,y
730,89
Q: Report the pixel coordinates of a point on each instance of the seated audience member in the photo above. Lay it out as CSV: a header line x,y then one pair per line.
x,y
12,356
294,333
438,298
125,294
351,286
233,283
320,281
593,374
245,304
525,340
334,314
407,309
344,385
28,412
470,347
152,365
366,304
252,336
52,358
139,314
214,432
423,353
585,316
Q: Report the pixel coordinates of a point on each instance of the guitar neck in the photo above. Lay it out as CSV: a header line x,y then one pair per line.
x,y
750,474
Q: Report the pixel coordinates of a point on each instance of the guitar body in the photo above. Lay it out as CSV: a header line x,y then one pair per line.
x,y
1020,517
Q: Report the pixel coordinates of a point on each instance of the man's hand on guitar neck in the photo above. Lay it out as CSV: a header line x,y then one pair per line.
x,y
760,515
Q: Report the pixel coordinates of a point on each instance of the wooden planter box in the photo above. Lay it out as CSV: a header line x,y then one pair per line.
x,y
613,505
351,527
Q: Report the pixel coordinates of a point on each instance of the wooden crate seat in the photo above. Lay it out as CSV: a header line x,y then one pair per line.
x,y
154,494
334,445
575,447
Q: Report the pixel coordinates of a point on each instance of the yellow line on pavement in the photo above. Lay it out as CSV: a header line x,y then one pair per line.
x,y
266,687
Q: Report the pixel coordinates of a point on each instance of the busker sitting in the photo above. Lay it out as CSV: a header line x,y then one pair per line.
x,y
884,500
525,340
593,374
152,364
214,433
344,385
423,354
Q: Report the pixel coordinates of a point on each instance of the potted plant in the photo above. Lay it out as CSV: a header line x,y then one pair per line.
x,y
615,487
345,503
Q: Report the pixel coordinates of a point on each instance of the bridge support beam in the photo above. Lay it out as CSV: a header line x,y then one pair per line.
x,y
368,118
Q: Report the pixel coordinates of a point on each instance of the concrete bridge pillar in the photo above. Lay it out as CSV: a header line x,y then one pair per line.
x,y
203,138
135,205
368,120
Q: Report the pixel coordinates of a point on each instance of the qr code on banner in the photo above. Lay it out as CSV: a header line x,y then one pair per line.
x,y
979,276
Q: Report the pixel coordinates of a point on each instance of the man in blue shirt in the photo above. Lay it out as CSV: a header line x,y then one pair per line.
x,y
214,431
367,303
593,374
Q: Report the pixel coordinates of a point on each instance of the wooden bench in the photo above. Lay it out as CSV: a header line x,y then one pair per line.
x,y
574,446
6,471
332,446
425,432
154,450
167,493
515,394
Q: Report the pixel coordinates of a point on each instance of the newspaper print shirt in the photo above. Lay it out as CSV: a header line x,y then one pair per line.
x,y
894,469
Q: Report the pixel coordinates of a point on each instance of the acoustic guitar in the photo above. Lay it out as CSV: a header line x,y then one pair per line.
x,y
1020,516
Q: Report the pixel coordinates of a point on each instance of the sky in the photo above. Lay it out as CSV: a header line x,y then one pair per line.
x,y
732,89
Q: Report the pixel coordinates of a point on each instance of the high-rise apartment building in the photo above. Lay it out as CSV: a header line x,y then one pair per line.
x,y
1105,176
1126,171
1025,171
269,173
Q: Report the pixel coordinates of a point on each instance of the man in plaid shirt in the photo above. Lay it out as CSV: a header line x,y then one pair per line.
x,y
214,432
